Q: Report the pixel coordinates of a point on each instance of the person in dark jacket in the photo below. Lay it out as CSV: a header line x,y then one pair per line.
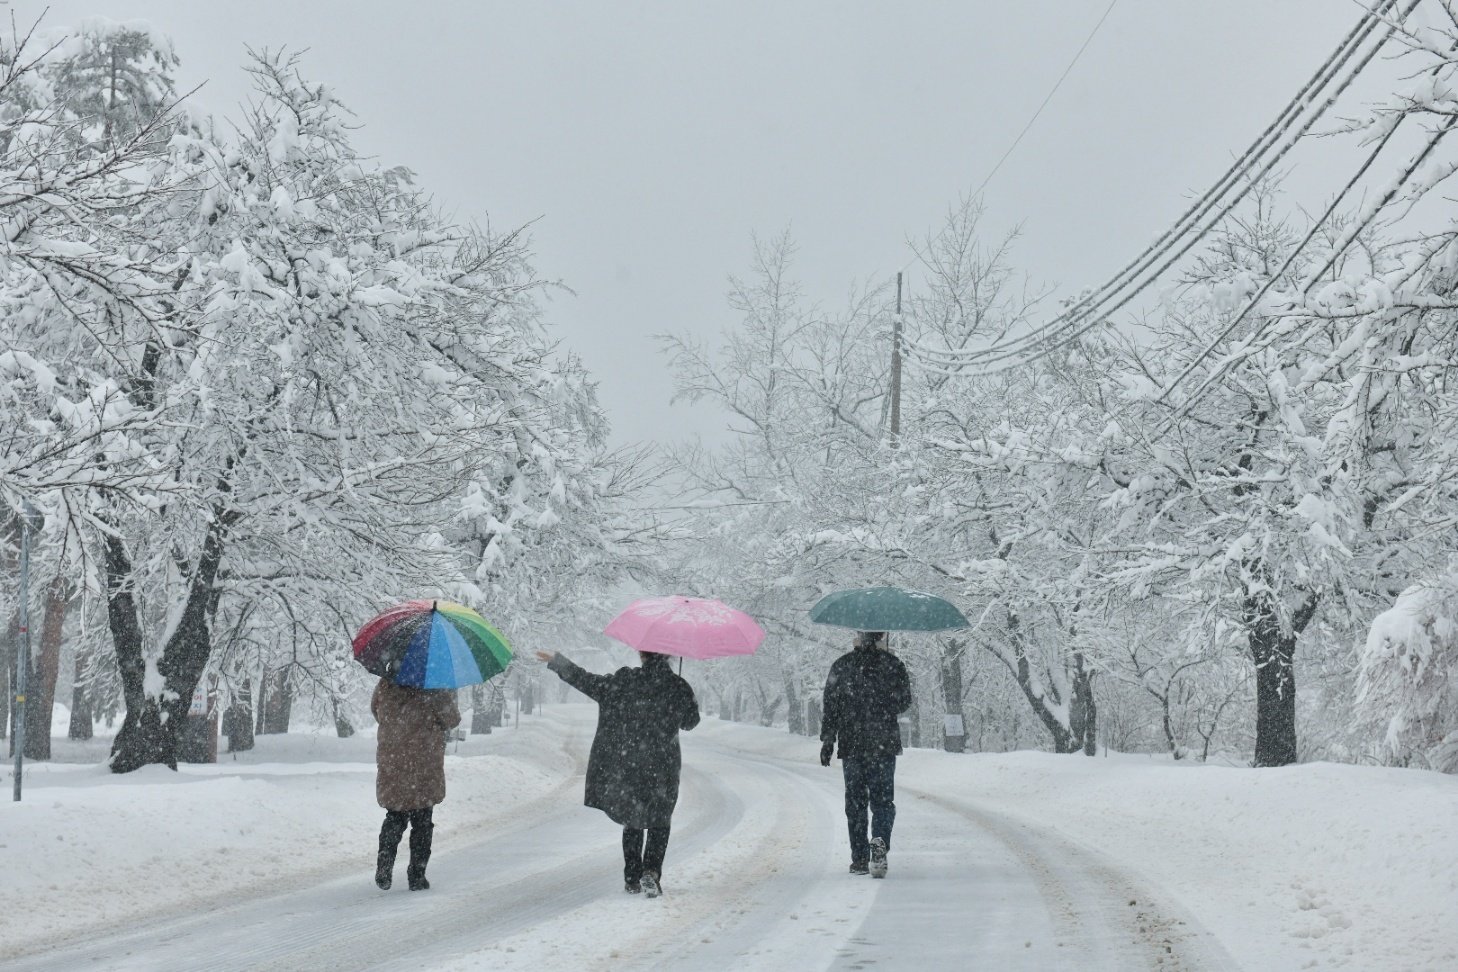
x,y
633,768
866,690
410,772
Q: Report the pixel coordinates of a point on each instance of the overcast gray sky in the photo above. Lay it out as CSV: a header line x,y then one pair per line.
x,y
653,138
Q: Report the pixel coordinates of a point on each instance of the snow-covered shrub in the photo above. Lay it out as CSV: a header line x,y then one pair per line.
x,y
1407,677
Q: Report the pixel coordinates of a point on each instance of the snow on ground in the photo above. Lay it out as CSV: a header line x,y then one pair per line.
x,y
1318,866
87,848
1311,866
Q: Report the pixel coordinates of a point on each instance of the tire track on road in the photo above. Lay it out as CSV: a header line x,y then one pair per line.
x,y
781,899
197,939
1104,914
501,911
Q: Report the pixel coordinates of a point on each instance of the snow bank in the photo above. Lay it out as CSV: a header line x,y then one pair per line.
x,y
1319,866
1312,866
87,848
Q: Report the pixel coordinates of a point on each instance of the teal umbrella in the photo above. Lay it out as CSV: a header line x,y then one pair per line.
x,y
887,609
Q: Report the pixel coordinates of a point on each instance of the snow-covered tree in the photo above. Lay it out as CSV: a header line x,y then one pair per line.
x,y
1407,678
76,190
268,390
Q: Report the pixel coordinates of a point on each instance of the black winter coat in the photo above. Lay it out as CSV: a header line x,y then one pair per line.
x,y
864,693
633,769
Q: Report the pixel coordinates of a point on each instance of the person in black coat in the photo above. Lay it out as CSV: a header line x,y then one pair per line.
x,y
866,690
633,769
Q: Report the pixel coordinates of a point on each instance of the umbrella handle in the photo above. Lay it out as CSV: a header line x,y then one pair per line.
x,y
680,664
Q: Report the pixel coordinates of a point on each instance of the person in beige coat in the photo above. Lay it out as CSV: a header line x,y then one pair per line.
x,y
410,778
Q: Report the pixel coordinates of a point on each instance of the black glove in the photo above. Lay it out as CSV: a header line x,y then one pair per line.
x,y
827,750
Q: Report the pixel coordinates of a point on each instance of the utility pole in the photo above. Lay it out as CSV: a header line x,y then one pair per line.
x,y
914,733
896,368
22,643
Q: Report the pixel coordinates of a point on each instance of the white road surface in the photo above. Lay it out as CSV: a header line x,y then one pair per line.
x,y
755,879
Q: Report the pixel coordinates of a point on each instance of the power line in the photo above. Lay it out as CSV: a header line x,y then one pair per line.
x,y
1225,366
1075,318
1351,236
1051,92
1047,98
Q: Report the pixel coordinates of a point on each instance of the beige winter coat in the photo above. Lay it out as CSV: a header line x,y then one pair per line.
x,y
410,748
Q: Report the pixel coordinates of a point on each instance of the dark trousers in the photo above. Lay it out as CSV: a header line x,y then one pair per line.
x,y
421,828
637,857
870,781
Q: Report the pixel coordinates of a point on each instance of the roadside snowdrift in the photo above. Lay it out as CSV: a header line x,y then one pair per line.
x,y
88,848
1314,866
1319,865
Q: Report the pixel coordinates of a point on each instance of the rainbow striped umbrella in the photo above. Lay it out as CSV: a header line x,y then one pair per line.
x,y
432,644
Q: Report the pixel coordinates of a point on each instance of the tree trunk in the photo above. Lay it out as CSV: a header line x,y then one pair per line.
x,y
5,688
143,737
1062,739
37,717
1022,669
278,701
767,710
149,734
7,675
1175,749
1272,652
1275,701
911,728
795,709
483,717
9,533
262,703
954,724
342,726
238,720
47,671
1082,711
82,717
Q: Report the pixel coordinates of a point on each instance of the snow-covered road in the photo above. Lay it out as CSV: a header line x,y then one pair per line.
x,y
755,879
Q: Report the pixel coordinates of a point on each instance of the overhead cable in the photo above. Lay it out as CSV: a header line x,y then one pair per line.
x,y
1276,136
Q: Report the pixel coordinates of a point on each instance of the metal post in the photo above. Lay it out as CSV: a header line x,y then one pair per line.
x,y
22,644
896,368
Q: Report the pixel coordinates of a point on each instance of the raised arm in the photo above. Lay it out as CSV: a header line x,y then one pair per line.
x,y
595,687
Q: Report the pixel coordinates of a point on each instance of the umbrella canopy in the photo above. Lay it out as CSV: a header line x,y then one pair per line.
x,y
690,627
432,644
887,609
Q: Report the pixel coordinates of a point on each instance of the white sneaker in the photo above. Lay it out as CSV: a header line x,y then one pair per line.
x,y
651,888
878,857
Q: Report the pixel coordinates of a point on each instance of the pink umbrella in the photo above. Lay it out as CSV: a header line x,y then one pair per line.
x,y
690,627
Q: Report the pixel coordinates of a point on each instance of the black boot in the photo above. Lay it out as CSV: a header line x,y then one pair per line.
x,y
385,870
421,829
632,860
390,833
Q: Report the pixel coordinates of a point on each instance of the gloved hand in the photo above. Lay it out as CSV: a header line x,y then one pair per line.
x,y
827,750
